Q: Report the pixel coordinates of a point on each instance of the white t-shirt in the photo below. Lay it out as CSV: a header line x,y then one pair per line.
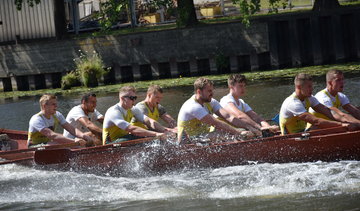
x,y
292,106
239,103
39,122
115,115
192,109
73,118
329,100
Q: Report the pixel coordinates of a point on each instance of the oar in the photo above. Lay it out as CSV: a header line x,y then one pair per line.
x,y
276,119
36,148
16,160
56,156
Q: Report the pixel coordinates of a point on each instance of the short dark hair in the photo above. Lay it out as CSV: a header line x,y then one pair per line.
x,y
236,78
123,90
45,99
86,96
301,78
330,75
154,89
200,83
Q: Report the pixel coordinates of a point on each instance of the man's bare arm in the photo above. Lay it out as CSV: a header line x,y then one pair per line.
x,y
218,124
141,132
355,112
237,122
258,119
56,137
169,120
154,125
91,126
319,122
232,109
77,133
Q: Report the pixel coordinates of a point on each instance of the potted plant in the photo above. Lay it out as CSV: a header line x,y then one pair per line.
x,y
90,68
210,10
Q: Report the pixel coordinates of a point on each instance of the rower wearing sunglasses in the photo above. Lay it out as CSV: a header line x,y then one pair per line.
x,y
117,127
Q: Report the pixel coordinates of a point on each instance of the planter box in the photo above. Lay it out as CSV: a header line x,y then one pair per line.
x,y
211,11
152,18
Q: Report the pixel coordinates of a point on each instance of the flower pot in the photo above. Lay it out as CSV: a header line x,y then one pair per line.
x,y
152,18
210,11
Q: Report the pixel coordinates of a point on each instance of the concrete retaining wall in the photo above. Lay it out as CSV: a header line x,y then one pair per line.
x,y
278,41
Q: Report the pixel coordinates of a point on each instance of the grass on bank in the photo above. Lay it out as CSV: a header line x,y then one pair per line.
x,y
253,77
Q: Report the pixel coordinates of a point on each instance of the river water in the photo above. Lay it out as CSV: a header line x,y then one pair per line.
x,y
290,186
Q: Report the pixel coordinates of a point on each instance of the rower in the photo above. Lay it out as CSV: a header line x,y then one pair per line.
x,y
42,126
152,108
241,110
195,117
117,127
84,116
333,98
294,112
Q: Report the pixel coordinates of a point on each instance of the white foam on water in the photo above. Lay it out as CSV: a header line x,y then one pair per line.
x,y
21,184
277,179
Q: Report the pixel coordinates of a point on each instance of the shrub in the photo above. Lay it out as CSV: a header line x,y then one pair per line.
x,y
90,68
69,80
222,62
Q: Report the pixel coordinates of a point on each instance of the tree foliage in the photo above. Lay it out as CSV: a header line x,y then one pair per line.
x,y
110,12
153,5
19,3
186,15
250,7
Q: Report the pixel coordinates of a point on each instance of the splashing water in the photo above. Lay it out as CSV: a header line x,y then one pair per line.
x,y
292,181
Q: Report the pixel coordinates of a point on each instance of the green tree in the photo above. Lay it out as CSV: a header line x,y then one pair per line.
x,y
250,7
111,11
31,3
187,16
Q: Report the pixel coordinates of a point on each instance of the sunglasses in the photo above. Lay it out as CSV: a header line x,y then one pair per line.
x,y
131,97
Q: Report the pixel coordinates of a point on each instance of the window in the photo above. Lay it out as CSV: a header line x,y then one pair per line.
x,y
88,8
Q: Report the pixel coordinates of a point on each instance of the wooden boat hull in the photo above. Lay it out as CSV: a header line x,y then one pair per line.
x,y
19,138
159,158
325,145
18,141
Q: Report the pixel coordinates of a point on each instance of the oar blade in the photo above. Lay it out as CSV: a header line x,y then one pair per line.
x,y
52,156
276,119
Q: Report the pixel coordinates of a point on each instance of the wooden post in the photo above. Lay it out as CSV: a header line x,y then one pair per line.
x,y
132,12
222,5
75,15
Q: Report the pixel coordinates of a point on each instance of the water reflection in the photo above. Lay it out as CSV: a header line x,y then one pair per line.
x,y
264,98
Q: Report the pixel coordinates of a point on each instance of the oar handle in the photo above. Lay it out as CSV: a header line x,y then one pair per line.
x,y
36,148
121,144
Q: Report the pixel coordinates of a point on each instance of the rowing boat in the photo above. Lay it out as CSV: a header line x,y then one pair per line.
x,y
150,155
